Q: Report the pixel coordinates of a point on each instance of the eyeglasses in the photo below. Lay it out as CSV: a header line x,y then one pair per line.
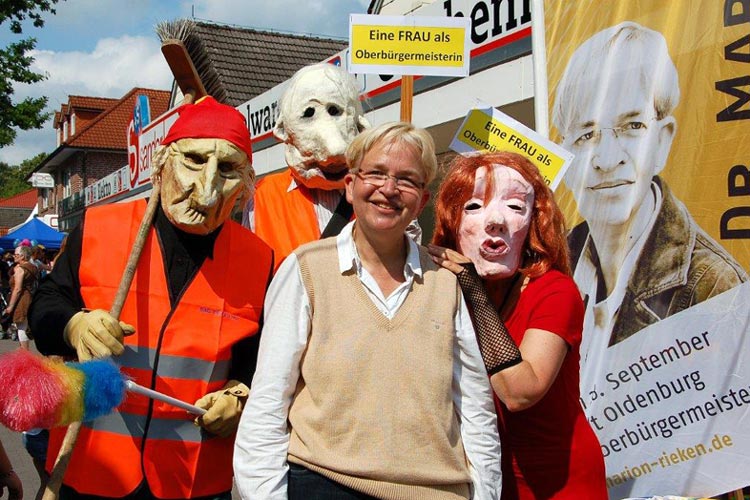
x,y
378,179
629,130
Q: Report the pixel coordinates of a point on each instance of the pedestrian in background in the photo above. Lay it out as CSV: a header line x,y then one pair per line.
x,y
22,282
5,263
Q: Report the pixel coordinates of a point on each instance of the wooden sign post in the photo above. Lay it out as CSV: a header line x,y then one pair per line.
x,y
407,97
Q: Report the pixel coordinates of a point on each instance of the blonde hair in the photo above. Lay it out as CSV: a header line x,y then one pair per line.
x,y
395,133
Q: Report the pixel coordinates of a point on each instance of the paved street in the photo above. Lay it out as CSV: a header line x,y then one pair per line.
x,y
12,443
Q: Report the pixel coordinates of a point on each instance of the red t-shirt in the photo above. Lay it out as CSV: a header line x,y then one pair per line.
x,y
549,450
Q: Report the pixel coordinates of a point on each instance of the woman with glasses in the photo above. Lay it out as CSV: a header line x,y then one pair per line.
x,y
23,278
369,382
497,211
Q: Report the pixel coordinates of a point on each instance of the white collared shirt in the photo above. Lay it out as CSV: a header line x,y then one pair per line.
x,y
600,317
260,455
349,259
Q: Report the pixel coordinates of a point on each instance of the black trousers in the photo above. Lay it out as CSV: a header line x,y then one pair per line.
x,y
304,484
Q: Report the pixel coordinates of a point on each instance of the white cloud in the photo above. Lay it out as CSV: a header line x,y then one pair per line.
x,y
115,66
111,69
79,24
126,52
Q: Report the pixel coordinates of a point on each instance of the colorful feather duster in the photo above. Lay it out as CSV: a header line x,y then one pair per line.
x,y
42,392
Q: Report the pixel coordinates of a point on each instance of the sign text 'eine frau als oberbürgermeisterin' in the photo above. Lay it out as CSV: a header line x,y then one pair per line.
x,y
409,45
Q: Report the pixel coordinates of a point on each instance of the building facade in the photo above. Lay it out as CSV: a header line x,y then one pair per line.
x,y
91,145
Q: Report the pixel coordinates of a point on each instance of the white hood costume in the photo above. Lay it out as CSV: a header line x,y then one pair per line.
x,y
320,114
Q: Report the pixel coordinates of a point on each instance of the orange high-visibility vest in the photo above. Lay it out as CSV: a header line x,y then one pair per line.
x,y
284,219
184,352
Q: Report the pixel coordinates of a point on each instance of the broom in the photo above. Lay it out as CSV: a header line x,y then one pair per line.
x,y
172,35
180,47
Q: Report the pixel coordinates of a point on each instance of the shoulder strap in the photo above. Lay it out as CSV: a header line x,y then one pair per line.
x,y
341,217
30,269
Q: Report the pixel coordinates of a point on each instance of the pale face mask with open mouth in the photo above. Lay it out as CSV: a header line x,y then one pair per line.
x,y
494,226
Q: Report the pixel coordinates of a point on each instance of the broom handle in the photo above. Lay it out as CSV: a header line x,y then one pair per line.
x,y
149,393
52,491
140,241
135,254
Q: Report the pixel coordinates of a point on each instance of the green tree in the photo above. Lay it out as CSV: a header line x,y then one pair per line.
x,y
12,177
14,68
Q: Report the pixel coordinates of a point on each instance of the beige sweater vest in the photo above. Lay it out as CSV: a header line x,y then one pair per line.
x,y
373,408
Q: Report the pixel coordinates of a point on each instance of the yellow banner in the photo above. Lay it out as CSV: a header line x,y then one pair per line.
x,y
653,99
408,45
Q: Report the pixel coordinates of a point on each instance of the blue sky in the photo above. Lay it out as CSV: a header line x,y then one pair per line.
x,y
106,47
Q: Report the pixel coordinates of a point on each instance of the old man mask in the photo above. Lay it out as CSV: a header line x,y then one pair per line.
x,y
204,166
320,114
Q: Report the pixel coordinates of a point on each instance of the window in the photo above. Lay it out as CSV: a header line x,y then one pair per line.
x,y
66,183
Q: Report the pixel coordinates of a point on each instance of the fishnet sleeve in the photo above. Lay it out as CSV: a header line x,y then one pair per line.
x,y
499,350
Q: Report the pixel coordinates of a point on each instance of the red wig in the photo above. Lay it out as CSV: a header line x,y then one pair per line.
x,y
546,243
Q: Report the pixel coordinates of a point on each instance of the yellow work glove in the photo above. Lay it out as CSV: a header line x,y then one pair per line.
x,y
224,408
96,334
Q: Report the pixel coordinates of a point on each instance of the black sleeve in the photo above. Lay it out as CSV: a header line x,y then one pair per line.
x,y
244,359
57,299
245,352
499,350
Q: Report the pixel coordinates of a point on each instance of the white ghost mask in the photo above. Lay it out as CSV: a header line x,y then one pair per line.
x,y
320,114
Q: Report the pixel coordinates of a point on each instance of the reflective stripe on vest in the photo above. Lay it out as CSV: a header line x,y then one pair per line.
x,y
174,366
184,352
128,424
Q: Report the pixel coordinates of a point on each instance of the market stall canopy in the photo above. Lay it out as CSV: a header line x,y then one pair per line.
x,y
34,230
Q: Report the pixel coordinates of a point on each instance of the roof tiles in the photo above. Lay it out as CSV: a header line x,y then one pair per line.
x,y
237,64
109,129
90,102
27,199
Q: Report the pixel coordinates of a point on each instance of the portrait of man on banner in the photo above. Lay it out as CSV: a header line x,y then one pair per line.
x,y
638,256
645,96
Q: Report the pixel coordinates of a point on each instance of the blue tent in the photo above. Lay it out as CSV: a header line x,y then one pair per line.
x,y
34,230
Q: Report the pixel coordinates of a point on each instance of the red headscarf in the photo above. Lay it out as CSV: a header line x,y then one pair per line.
x,y
208,119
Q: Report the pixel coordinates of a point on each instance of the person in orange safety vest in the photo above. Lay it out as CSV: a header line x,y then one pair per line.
x,y
319,115
189,327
